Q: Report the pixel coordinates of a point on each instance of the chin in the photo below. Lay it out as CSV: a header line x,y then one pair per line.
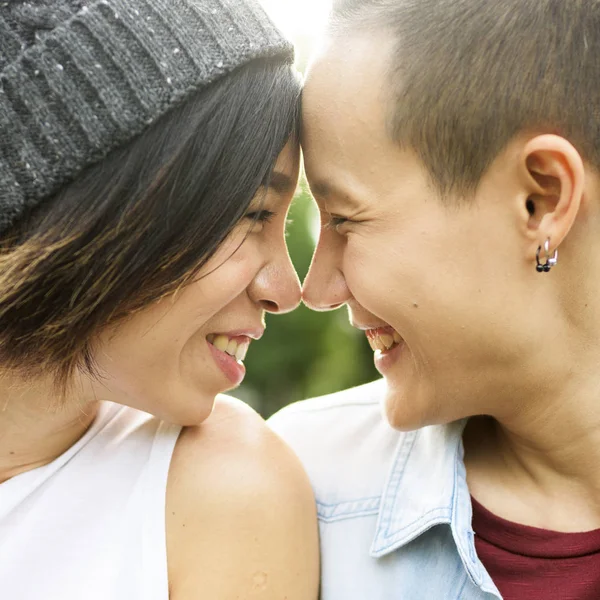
x,y
406,411
190,411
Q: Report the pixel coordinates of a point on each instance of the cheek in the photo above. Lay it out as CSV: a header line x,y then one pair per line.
x,y
141,348
224,282
151,342
406,290
377,275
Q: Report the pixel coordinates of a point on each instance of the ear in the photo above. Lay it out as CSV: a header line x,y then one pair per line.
x,y
555,178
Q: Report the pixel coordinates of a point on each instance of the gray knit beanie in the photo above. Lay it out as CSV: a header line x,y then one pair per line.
x,y
79,78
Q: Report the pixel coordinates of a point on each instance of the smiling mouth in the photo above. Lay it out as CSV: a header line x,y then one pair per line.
x,y
235,347
383,339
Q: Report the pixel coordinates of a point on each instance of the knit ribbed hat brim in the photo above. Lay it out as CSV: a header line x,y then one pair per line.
x,y
104,74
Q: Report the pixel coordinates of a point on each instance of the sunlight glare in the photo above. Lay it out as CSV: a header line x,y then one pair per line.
x,y
298,18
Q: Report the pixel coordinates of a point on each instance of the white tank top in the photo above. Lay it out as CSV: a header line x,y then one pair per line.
x,y
91,524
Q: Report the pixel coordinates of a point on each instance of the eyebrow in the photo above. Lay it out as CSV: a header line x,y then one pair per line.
x,y
321,190
325,192
281,183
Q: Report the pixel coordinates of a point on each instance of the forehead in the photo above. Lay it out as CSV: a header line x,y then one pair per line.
x,y
284,177
288,160
346,109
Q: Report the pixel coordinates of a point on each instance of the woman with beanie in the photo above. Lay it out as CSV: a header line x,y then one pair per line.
x,y
148,157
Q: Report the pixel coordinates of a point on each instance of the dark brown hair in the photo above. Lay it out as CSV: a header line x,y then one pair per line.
x,y
141,223
468,75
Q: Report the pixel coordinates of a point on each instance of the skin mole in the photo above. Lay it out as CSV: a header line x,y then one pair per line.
x,y
260,581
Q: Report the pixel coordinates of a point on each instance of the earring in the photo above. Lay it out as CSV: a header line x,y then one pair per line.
x,y
551,261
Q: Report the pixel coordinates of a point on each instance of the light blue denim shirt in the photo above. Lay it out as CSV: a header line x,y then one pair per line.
x,y
394,508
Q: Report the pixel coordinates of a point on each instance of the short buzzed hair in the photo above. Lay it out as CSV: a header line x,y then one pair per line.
x,y
469,75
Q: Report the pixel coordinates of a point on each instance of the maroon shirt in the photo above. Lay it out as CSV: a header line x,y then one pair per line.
x,y
527,563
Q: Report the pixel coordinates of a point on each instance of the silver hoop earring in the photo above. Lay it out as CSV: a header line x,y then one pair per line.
x,y
551,261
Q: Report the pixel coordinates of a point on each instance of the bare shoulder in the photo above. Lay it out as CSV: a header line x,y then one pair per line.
x,y
241,519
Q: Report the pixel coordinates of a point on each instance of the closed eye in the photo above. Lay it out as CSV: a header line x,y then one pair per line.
x,y
335,221
260,216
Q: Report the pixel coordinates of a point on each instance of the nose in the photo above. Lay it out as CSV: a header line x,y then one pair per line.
x,y
325,286
276,287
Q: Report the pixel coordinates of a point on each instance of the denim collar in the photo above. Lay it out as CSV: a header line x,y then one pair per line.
x,y
426,487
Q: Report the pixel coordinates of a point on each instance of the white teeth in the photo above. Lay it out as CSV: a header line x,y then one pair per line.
x,y
242,351
231,347
387,340
384,341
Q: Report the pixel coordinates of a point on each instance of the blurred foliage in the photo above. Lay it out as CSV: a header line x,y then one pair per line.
x,y
304,354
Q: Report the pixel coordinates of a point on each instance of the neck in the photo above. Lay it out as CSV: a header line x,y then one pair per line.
x,y
36,426
540,464
537,461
